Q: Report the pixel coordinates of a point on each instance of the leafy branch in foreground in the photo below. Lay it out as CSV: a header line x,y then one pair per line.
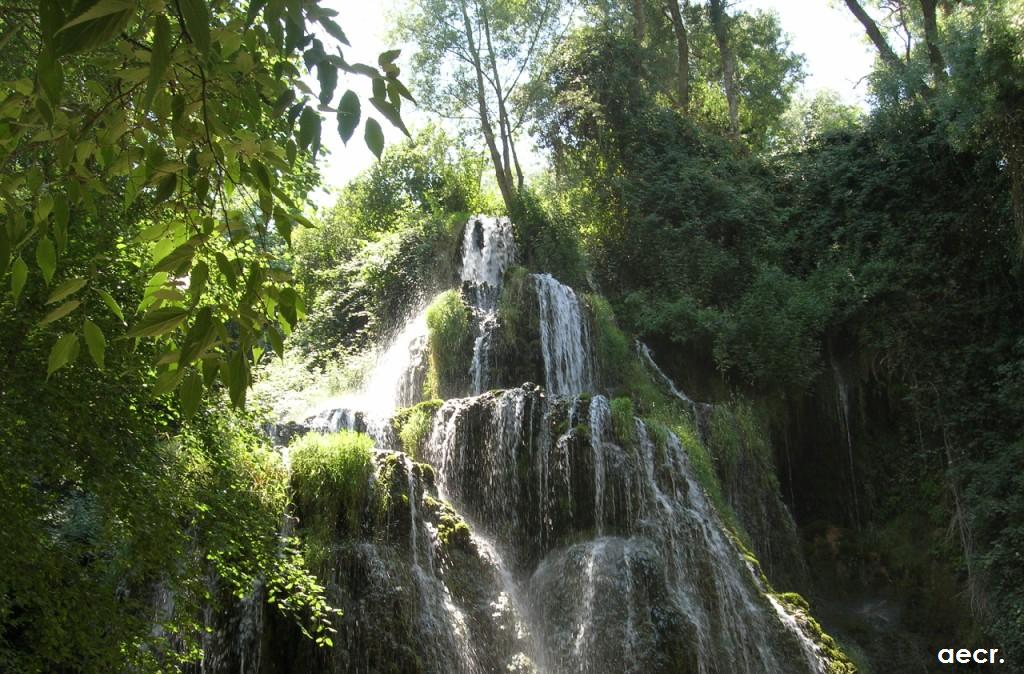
x,y
179,135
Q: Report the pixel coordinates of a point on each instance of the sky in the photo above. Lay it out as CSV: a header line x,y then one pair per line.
x,y
837,58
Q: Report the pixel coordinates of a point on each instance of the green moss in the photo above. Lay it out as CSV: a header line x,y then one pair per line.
x,y
450,342
517,340
618,363
413,425
623,423
736,435
610,343
387,481
452,530
330,479
794,600
838,662
512,304
658,432
561,427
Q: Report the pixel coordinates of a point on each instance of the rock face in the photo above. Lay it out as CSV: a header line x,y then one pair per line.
x,y
623,563
539,529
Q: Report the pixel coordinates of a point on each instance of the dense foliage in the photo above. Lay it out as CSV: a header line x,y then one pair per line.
x,y
156,157
859,278
390,241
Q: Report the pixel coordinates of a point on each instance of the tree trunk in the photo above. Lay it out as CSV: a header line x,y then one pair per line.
x,y
507,195
639,20
875,35
721,30
683,52
508,150
931,38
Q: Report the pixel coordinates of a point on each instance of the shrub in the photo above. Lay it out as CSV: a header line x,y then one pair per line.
x,y
414,424
330,478
450,340
610,343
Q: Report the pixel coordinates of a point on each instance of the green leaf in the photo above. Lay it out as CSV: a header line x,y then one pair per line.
x,y
61,216
160,57
5,250
334,30
261,173
374,136
254,8
211,366
349,113
180,256
327,74
238,377
165,188
46,258
388,57
95,26
276,339
19,274
60,312
69,287
201,336
167,382
397,90
95,341
100,9
197,23
226,268
190,393
159,322
283,225
62,352
361,69
391,113
197,281
50,76
309,130
111,303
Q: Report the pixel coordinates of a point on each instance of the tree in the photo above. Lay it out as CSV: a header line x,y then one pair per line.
x,y
682,49
473,64
156,156
742,90
720,27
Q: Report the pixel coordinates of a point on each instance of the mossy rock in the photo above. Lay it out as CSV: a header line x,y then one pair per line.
x,y
412,425
517,349
331,480
450,345
452,531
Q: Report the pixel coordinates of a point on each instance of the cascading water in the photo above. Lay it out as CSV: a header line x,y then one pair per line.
x,y
539,536
564,338
663,589
395,381
488,248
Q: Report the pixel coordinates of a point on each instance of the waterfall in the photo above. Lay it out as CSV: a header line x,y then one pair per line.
x,y
664,551
488,248
538,537
564,338
395,381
